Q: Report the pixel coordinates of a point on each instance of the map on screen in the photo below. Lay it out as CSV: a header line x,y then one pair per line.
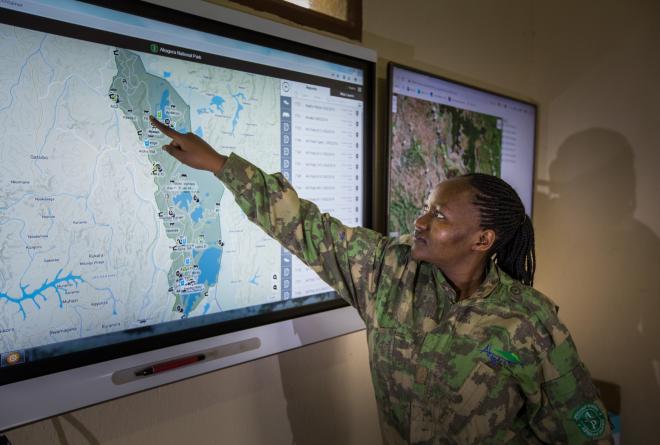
x,y
103,231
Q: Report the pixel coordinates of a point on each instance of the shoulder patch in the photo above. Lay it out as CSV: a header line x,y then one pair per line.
x,y
590,420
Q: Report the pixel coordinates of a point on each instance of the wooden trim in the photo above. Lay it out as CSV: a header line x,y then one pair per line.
x,y
351,27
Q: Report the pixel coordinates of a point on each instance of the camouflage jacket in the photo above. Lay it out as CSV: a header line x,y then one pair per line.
x,y
498,367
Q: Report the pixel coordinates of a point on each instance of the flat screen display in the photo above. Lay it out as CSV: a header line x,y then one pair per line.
x,y
440,129
108,246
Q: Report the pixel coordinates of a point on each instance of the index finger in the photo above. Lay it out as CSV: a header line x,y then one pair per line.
x,y
167,131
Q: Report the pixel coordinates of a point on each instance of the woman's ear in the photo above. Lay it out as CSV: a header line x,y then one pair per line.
x,y
485,240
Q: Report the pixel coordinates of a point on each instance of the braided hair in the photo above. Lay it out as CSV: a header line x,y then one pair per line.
x,y
502,211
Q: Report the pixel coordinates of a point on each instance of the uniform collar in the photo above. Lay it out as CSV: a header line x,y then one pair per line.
x,y
485,289
489,284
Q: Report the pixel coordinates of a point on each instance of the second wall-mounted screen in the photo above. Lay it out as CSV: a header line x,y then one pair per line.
x,y
440,129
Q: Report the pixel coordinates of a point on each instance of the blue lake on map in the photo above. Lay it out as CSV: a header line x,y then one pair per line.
x,y
239,107
182,200
164,100
209,266
218,101
197,214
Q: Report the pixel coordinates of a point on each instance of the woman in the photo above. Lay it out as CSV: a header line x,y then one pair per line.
x,y
461,348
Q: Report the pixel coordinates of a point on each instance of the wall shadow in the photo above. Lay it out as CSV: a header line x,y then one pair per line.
x,y
603,266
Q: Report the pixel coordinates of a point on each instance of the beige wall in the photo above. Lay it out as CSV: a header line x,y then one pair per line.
x,y
598,220
592,67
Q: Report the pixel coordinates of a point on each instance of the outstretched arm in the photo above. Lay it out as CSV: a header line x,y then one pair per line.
x,y
348,259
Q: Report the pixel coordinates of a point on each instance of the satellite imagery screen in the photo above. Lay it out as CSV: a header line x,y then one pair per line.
x,y
431,142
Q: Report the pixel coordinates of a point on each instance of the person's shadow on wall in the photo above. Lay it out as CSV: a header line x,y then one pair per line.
x,y
604,265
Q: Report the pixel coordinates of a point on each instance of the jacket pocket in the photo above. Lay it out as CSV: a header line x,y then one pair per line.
x,y
459,414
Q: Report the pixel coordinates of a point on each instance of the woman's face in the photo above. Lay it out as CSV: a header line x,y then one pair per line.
x,y
449,227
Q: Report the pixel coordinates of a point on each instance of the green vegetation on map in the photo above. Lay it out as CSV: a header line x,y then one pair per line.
x,y
430,143
189,218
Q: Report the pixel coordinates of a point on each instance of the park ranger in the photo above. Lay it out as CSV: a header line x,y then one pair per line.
x,y
462,349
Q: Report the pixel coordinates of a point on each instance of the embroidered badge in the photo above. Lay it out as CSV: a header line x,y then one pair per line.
x,y
590,420
498,357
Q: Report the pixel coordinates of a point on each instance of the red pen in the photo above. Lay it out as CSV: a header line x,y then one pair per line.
x,y
172,364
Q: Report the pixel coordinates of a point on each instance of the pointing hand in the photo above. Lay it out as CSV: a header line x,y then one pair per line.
x,y
190,149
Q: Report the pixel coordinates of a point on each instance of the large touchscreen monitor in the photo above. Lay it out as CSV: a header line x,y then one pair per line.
x,y
109,248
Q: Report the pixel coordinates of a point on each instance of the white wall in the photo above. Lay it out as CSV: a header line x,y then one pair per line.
x,y
592,67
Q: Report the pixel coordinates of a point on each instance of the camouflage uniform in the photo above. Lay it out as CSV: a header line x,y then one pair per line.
x,y
498,367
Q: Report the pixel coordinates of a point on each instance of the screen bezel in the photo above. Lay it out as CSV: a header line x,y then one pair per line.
x,y
390,92
58,364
